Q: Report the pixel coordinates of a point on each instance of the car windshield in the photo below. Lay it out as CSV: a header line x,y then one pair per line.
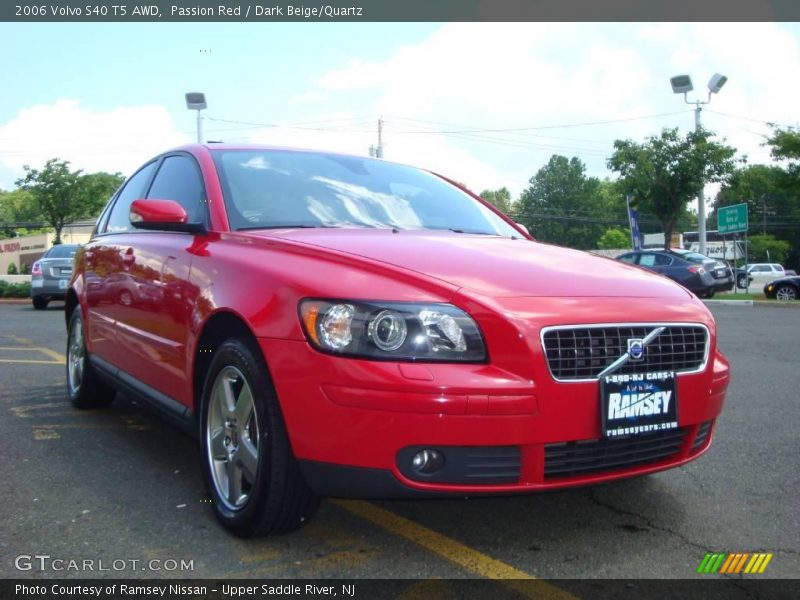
x,y
282,188
62,251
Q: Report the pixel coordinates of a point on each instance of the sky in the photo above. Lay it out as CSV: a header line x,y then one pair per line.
x,y
486,104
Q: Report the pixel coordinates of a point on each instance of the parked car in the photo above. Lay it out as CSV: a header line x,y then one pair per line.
x,y
352,327
720,271
695,277
50,275
784,288
759,274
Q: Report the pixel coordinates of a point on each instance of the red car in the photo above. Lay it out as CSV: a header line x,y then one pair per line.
x,y
345,326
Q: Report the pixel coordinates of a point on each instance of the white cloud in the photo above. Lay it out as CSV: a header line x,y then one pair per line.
x,y
501,75
117,140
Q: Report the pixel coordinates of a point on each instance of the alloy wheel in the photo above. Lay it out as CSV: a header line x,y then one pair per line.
x,y
232,438
76,357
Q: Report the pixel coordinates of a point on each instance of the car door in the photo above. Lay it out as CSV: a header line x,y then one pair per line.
x,y
102,267
153,326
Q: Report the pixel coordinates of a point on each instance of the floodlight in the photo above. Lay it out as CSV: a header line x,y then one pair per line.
x,y
196,101
716,82
681,84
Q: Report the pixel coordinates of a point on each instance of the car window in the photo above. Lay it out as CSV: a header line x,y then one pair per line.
x,y
761,269
628,258
119,219
62,251
654,260
179,179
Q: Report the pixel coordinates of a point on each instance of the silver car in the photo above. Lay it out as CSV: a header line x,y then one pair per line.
x,y
50,275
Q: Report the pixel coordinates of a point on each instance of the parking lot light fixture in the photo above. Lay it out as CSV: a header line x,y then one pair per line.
x,y
682,84
197,101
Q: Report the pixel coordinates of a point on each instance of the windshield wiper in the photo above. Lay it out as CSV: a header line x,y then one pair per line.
x,y
470,231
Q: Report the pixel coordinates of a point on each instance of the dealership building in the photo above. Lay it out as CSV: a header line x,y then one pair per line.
x,y
26,250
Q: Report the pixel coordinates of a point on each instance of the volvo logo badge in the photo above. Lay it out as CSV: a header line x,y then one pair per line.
x,y
636,349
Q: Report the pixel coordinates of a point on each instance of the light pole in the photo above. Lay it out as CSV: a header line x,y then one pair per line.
x,y
682,84
197,101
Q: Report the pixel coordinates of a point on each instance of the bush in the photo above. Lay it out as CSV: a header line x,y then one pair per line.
x,y
24,269
15,290
12,269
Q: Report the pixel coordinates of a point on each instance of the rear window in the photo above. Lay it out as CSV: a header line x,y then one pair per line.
x,y
62,251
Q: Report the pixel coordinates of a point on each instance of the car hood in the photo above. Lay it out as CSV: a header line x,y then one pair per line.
x,y
492,266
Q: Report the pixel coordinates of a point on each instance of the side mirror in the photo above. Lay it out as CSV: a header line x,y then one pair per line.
x,y
162,215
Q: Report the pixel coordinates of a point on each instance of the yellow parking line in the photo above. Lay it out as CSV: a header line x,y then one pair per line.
x,y
54,355
30,362
454,551
57,359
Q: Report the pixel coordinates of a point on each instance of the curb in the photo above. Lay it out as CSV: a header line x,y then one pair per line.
x,y
15,300
729,302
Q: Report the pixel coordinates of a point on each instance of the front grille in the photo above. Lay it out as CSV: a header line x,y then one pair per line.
x,y
571,459
582,352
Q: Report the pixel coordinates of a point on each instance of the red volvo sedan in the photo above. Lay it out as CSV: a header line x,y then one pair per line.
x,y
344,326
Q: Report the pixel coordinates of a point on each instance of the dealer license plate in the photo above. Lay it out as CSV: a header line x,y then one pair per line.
x,y
62,284
638,403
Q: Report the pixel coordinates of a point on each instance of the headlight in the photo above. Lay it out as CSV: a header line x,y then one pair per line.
x,y
392,330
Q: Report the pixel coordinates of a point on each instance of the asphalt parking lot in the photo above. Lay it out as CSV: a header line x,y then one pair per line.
x,y
119,484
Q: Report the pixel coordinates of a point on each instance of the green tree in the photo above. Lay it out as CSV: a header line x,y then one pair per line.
x,y
501,199
666,171
614,239
560,205
12,269
785,145
63,196
18,213
765,248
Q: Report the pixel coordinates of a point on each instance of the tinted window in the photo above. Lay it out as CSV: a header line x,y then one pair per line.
x,y
266,188
119,219
179,179
628,258
62,251
654,260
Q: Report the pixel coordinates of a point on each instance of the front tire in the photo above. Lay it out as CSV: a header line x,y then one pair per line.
x,y
84,388
251,474
786,293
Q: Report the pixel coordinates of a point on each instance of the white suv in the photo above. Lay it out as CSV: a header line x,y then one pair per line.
x,y
760,273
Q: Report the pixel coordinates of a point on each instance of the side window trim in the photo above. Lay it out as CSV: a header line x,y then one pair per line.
x,y
101,230
206,217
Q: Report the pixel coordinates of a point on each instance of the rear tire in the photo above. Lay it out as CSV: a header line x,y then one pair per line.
x,y
84,388
251,474
40,303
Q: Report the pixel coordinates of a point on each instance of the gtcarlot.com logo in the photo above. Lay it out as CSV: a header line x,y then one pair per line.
x,y
45,562
734,562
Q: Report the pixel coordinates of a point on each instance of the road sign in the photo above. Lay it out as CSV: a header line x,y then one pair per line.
x,y
732,219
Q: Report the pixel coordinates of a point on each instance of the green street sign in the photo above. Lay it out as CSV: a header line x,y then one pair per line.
x,y
732,219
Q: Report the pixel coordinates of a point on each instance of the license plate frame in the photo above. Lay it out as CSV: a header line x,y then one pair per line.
x,y
634,404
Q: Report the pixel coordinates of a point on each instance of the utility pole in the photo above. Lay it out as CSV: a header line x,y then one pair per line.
x,y
377,151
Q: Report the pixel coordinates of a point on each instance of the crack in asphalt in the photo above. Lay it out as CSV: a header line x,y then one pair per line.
x,y
592,495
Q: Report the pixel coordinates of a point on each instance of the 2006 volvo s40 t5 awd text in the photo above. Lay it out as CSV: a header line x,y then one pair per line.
x,y
343,326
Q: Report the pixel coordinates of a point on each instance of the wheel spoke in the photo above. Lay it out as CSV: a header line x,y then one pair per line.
x,y
228,398
234,482
247,455
244,407
217,443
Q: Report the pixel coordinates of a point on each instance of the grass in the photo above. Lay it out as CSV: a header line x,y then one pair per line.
x,y
740,296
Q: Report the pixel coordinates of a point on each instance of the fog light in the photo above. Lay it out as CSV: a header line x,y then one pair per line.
x,y
427,461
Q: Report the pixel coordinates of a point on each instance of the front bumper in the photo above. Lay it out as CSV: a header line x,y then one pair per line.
x,y
351,421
